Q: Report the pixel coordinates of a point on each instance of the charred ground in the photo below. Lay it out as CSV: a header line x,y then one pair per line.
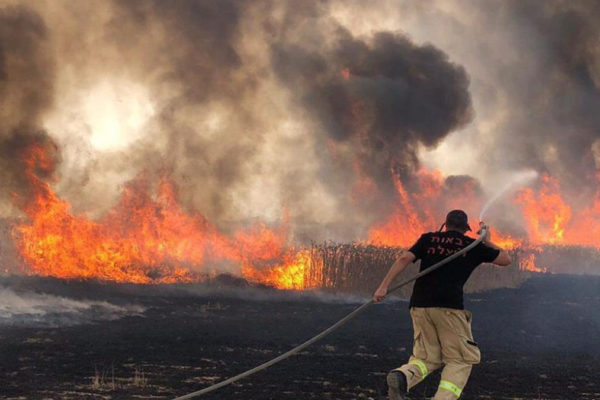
x,y
539,341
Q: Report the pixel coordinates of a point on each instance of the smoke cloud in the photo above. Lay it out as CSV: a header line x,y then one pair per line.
x,y
26,94
255,109
560,88
534,71
311,110
380,98
40,309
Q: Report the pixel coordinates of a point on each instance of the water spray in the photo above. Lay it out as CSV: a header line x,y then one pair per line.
x,y
332,328
517,180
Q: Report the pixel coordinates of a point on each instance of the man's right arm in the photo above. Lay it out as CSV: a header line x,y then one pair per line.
x,y
405,258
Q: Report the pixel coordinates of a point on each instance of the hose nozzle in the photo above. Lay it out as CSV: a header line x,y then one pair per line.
x,y
484,231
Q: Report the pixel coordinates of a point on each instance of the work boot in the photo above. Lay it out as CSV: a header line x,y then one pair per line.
x,y
397,389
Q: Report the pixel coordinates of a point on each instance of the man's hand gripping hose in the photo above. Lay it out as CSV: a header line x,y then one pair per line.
x,y
483,234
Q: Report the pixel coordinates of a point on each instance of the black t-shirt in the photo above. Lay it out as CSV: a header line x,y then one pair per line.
x,y
444,286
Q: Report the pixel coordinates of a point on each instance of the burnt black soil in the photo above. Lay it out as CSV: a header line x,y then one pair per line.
x,y
540,341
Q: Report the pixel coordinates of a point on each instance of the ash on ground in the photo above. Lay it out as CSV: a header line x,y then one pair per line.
x,y
539,341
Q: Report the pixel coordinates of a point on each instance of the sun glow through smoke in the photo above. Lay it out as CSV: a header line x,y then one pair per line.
x,y
116,111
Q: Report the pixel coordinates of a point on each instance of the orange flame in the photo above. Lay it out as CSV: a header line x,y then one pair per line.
x,y
142,239
505,241
147,236
546,213
404,225
345,73
528,264
293,273
585,229
421,209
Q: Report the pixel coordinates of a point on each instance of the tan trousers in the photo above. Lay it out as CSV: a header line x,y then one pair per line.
x,y
442,336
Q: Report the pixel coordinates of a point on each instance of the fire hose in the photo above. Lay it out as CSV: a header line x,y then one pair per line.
x,y
333,327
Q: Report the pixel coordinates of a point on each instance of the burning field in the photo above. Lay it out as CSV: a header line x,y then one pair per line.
x,y
187,164
177,176
148,237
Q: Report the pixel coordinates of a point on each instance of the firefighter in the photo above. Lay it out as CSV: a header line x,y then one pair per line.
x,y
441,325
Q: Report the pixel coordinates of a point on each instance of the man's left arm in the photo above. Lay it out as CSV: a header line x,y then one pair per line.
x,y
405,258
502,258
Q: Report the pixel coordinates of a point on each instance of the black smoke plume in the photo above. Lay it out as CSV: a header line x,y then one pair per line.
x,y
556,97
26,94
384,96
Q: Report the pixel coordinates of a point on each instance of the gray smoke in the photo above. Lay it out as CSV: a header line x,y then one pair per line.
x,y
26,94
408,95
262,108
381,97
257,108
41,309
554,120
535,81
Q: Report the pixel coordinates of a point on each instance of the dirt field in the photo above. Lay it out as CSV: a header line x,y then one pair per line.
x,y
540,341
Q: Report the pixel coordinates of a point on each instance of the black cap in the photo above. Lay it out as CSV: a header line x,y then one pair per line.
x,y
458,219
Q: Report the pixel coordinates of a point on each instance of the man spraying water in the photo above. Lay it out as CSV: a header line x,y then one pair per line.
x,y
454,248
442,327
